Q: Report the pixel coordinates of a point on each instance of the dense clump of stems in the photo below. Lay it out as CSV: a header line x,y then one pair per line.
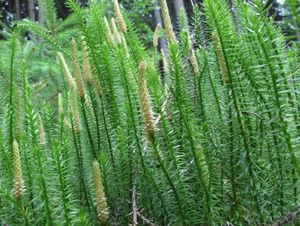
x,y
201,131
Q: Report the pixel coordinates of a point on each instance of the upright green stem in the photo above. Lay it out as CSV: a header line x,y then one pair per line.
x,y
283,123
169,179
86,122
137,139
95,113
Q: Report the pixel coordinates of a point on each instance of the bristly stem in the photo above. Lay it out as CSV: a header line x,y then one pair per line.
x,y
169,179
87,126
13,47
283,123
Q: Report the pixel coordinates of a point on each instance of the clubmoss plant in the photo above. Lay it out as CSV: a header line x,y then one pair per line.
x,y
68,75
119,16
156,36
203,132
116,32
109,32
167,21
145,102
103,213
42,134
19,182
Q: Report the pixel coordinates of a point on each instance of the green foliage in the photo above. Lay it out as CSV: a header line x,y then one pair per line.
x,y
211,140
48,9
291,21
140,11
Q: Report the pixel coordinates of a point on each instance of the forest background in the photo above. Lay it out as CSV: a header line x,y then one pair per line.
x,y
146,14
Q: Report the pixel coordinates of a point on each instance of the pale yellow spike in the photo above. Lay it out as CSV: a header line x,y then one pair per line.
x,y
156,36
69,77
165,61
77,70
19,182
119,16
116,32
42,133
60,108
109,33
194,62
167,21
145,101
86,63
124,43
102,208
220,56
75,112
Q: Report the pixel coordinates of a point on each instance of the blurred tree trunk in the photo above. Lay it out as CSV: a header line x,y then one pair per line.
x,y
31,12
62,9
178,5
230,3
17,8
41,18
158,20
